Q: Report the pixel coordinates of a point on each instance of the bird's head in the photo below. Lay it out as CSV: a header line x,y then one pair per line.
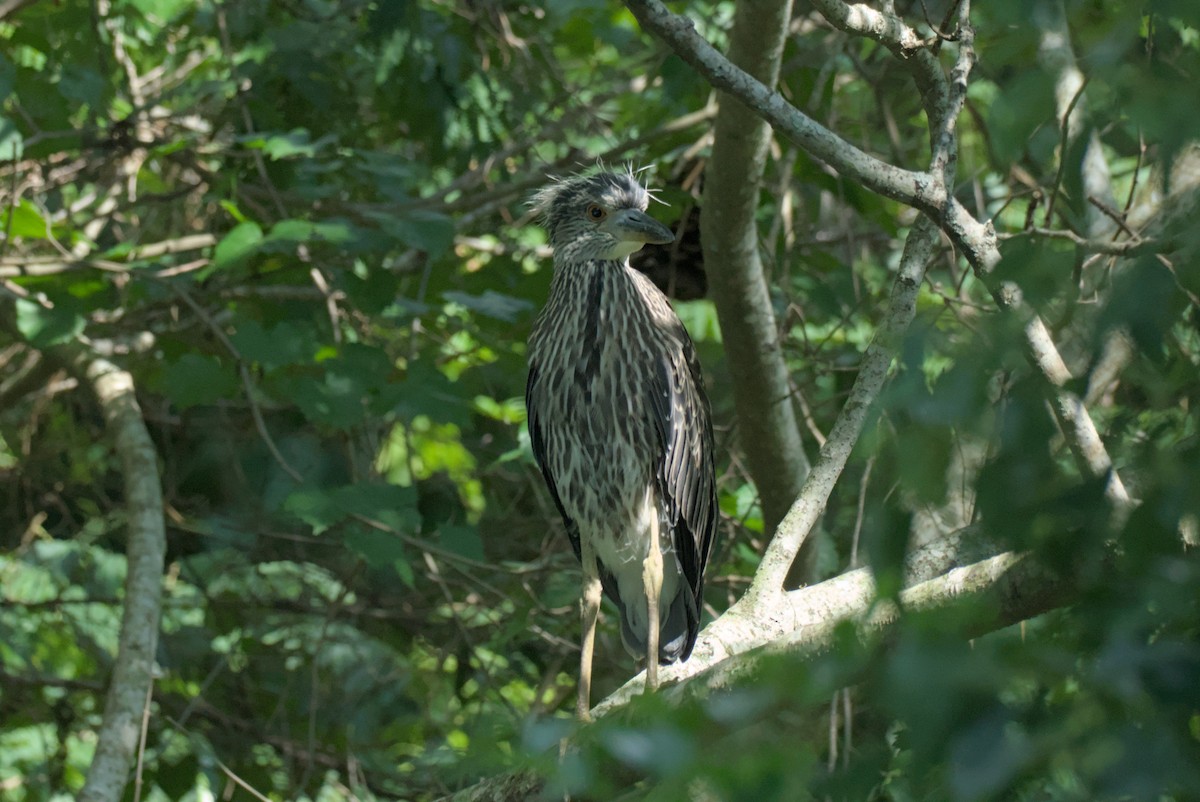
x,y
600,216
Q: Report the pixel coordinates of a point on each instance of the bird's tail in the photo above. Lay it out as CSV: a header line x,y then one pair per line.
x,y
677,630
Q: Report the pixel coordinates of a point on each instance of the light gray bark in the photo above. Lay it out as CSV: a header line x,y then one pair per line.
x,y
133,669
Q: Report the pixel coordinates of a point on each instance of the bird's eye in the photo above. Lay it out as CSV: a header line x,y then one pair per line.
x,y
596,212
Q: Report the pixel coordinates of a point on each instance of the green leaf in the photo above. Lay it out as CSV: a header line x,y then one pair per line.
x,y
379,549
82,85
1024,105
423,230
316,507
297,142
492,304
198,379
391,505
233,210
11,142
334,400
426,391
27,221
285,344
1041,268
164,10
236,246
287,233
462,540
44,327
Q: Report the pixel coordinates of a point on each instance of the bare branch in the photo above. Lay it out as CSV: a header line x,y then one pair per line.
x,y
133,669
803,622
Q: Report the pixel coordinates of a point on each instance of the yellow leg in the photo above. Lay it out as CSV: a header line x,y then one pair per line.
x,y
590,606
652,575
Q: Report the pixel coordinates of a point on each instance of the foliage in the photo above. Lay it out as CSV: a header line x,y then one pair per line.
x,y
301,226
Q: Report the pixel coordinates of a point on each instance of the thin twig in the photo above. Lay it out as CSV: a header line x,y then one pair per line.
x,y
1137,169
247,382
1124,248
1048,219
863,484
141,752
873,372
1113,215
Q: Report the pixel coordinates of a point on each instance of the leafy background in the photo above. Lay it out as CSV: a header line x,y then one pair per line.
x,y
301,226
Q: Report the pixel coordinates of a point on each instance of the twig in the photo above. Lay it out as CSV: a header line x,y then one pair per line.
x,y
1113,215
1125,248
1137,169
863,484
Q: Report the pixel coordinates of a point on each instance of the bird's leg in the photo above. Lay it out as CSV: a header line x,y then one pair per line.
x,y
652,576
590,606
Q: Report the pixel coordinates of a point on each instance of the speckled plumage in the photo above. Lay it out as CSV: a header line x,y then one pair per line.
x,y
618,416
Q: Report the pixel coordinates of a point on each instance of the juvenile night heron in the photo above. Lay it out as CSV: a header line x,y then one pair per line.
x,y
620,425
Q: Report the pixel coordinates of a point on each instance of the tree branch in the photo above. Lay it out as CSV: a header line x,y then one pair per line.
x,y
923,191
132,676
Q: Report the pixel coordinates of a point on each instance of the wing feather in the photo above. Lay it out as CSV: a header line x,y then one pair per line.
x,y
685,472
537,441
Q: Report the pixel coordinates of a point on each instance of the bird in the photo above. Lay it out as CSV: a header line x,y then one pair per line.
x,y
620,424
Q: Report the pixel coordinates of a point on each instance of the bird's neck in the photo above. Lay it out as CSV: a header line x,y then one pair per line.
x,y
584,281
597,289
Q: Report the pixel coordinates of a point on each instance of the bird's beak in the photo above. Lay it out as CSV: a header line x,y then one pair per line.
x,y
633,225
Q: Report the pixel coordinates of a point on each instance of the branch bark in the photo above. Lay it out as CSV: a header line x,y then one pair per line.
x,y
132,676
729,232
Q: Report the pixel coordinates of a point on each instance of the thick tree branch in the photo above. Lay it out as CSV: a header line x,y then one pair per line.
x,y
130,685
729,232
1003,589
133,669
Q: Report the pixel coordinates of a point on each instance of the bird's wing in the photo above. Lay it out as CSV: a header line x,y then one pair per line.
x,y
537,440
685,473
